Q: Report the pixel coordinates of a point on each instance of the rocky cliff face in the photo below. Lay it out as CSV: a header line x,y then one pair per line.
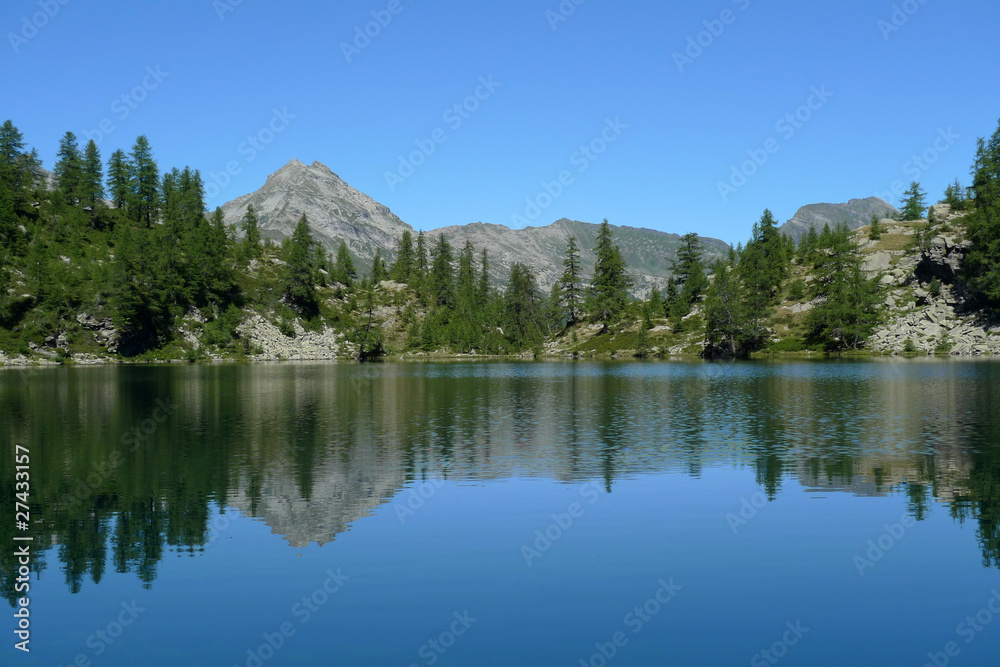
x,y
856,213
930,307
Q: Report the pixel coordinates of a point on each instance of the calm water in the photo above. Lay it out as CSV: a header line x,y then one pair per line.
x,y
508,514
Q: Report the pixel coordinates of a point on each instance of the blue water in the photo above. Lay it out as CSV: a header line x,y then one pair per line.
x,y
511,514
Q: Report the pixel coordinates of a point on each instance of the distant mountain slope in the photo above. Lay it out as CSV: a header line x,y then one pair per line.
x,y
336,212
647,253
856,213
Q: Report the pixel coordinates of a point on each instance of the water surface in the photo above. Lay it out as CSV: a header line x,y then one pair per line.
x,y
830,513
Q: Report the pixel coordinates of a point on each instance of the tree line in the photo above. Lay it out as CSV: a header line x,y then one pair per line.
x,y
127,239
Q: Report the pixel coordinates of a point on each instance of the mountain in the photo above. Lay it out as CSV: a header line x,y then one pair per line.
x,y
856,213
336,212
647,252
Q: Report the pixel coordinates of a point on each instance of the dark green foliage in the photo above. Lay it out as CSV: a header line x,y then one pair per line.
x,y
655,303
689,275
808,246
93,174
610,283
934,289
728,331
119,179
250,248
144,183
379,270
850,303
297,279
522,318
421,267
140,297
343,268
403,270
875,230
797,290
913,203
441,281
763,266
983,261
69,169
569,285
369,336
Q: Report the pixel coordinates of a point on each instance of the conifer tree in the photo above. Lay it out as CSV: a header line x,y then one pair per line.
x,y
689,274
569,284
92,190
610,283
521,309
913,202
763,267
875,230
119,179
402,270
343,268
850,302
298,283
145,182
982,265
251,234
728,332
379,270
68,170
421,266
483,290
442,278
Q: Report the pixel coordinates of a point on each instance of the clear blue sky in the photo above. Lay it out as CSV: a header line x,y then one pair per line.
x,y
224,73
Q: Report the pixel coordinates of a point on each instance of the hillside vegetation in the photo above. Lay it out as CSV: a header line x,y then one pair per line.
x,y
120,262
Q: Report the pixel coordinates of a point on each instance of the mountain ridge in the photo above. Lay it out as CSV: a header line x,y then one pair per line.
x,y
337,212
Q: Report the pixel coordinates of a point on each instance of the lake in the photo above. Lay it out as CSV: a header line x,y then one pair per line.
x,y
578,513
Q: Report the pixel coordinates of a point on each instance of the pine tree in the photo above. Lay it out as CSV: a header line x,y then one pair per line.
x,y
913,202
982,266
763,266
250,247
92,190
298,274
521,312
689,274
16,167
728,331
402,270
875,231
569,284
850,302
379,270
671,297
655,303
808,245
466,281
119,178
421,266
343,268
145,182
442,279
610,283
483,290
68,170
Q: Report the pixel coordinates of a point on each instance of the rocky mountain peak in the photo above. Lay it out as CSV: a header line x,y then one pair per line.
x,y
856,213
335,211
